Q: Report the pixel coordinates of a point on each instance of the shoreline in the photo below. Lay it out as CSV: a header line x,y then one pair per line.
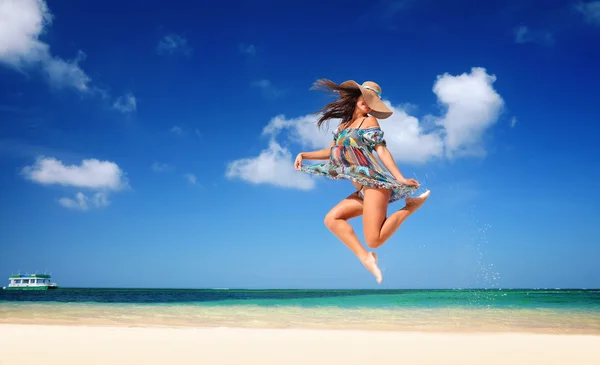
x,y
94,323
90,345
430,320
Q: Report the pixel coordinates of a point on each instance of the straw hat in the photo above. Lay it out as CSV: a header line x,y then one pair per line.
x,y
372,94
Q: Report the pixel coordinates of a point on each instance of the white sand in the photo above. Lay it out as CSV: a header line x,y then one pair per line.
x,y
66,345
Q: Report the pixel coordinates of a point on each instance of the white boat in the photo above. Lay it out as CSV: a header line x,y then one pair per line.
x,y
30,282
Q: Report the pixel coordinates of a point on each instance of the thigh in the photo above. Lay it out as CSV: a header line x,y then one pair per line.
x,y
349,208
374,210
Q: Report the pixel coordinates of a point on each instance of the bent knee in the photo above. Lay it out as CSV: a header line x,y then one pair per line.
x,y
373,242
329,220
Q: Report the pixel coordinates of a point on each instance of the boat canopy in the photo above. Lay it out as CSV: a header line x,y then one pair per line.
x,y
32,276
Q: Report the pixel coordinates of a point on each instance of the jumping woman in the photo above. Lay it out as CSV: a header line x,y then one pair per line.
x,y
376,177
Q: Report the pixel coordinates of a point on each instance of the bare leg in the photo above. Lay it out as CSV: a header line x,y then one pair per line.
x,y
377,227
337,222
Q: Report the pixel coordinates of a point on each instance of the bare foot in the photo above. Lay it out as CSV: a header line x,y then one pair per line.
x,y
370,262
412,204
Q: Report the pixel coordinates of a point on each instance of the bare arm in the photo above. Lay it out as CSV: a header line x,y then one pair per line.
x,y
388,160
317,155
386,157
314,155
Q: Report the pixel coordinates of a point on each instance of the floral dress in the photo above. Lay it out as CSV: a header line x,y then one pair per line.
x,y
352,158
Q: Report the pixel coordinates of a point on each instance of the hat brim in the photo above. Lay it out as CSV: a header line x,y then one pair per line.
x,y
378,108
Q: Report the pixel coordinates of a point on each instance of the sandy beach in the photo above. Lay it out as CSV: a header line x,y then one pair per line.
x,y
66,345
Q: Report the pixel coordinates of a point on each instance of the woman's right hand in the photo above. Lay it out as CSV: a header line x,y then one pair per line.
x,y
410,182
298,162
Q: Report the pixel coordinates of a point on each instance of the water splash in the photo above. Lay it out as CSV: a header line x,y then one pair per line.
x,y
486,277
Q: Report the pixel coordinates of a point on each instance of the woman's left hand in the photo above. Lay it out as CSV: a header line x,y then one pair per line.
x,y
409,182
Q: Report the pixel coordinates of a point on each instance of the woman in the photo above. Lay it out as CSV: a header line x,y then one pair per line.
x,y
377,179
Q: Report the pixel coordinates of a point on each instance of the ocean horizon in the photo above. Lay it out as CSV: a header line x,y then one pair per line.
x,y
572,311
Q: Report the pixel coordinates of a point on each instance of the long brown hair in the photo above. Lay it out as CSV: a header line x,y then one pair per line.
x,y
343,107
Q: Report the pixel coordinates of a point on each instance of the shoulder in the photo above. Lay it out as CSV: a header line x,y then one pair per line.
x,y
371,122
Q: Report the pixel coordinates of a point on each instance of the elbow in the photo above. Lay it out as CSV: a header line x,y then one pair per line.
x,y
382,150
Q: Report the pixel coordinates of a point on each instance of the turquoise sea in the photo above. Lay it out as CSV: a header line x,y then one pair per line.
x,y
531,310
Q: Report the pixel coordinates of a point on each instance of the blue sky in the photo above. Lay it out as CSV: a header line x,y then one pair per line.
x,y
150,144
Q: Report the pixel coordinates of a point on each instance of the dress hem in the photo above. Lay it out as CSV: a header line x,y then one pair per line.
x,y
399,191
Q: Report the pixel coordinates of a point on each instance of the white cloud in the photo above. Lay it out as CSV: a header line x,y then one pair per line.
x,y
92,174
513,122
63,73
274,166
590,11
301,130
82,202
525,35
21,24
160,167
267,88
177,130
408,141
172,43
471,107
191,178
126,103
99,176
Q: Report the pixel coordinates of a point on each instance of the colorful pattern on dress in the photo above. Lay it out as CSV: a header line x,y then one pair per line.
x,y
352,158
